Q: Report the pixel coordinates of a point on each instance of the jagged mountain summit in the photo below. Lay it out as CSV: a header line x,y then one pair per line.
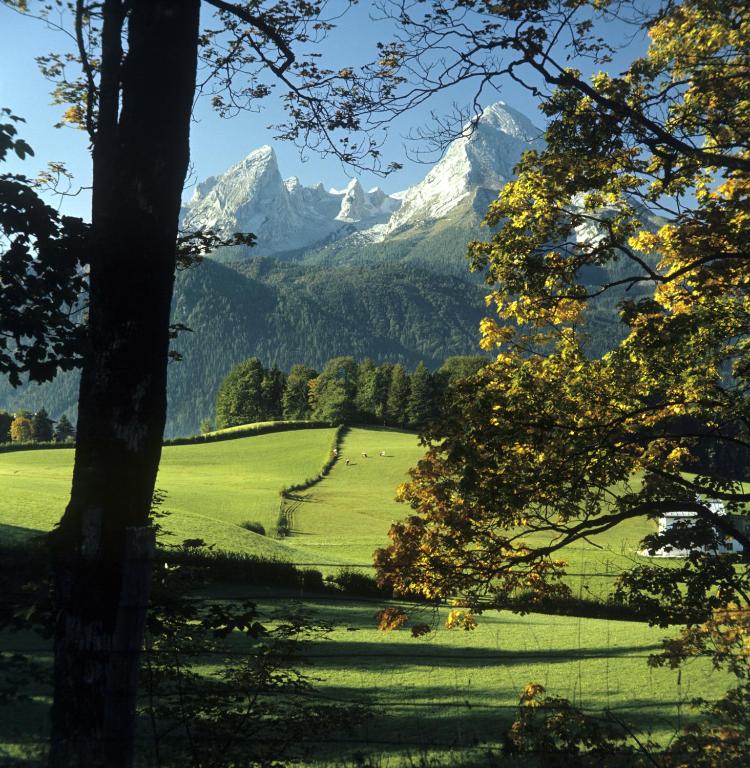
x,y
359,206
288,217
284,215
483,158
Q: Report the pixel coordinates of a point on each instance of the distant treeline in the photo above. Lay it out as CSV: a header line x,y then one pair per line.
x,y
345,391
28,427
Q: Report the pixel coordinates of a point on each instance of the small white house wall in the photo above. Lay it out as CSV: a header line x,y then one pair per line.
x,y
667,520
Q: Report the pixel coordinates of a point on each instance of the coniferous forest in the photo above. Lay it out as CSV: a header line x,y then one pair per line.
x,y
345,391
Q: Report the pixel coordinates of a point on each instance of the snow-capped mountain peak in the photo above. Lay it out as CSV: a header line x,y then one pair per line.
x,y
509,121
482,158
284,215
287,216
354,203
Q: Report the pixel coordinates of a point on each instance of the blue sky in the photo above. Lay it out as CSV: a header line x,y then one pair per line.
x,y
216,143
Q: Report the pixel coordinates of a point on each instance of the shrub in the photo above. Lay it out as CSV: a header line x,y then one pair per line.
x,y
285,522
526,601
226,686
217,565
234,433
283,525
356,583
254,526
312,580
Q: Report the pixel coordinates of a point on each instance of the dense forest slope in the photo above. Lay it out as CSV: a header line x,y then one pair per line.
x,y
304,315
292,313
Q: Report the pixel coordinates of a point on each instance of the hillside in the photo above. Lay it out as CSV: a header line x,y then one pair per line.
x,y
211,489
289,314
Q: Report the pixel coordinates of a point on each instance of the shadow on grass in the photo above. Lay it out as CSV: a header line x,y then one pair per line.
x,y
25,690
333,655
18,536
459,724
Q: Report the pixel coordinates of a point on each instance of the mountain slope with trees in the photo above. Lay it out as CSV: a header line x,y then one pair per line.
x,y
385,312
287,314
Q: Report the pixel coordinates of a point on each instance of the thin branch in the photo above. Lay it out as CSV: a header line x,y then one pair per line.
x,y
260,24
623,110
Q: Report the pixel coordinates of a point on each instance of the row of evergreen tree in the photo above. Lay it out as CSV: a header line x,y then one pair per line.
x,y
345,391
28,427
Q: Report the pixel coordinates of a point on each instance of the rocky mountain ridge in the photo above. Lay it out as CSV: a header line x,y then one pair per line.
x,y
284,214
288,217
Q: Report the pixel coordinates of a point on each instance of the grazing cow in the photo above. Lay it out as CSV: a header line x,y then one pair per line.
x,y
382,453
347,462
364,455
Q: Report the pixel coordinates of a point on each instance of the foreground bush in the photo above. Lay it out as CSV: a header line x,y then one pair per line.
x,y
224,686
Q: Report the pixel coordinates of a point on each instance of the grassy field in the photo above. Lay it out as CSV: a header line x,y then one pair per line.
x,y
445,693
347,515
211,488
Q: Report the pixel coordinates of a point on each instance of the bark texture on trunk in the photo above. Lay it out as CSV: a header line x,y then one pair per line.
x,y
103,546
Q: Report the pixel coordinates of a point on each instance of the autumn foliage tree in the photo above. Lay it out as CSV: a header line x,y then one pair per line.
x,y
21,430
130,83
646,178
641,201
641,198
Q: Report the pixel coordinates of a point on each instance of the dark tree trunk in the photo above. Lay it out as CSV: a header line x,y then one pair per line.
x,y
103,546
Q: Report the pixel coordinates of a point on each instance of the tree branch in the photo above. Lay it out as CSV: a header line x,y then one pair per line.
x,y
566,80
87,69
266,29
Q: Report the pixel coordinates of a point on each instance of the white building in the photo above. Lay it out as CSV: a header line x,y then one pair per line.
x,y
727,545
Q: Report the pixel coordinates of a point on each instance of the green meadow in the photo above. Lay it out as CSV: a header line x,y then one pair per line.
x,y
447,693
211,488
345,516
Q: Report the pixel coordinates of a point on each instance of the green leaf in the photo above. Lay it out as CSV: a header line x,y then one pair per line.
x,y
22,149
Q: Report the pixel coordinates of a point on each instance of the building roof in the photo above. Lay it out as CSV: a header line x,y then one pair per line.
x,y
716,506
